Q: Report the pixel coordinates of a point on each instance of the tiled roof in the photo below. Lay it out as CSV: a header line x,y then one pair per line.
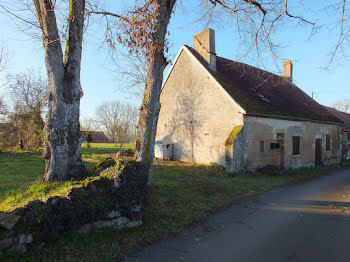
x,y
344,117
264,93
97,136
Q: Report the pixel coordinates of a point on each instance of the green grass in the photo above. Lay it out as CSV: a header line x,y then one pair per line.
x,y
183,194
21,174
97,151
346,163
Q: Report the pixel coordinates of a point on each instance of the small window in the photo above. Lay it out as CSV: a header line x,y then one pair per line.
x,y
280,135
328,142
275,145
261,146
296,145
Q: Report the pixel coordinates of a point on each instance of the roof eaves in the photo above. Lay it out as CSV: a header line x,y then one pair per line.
x,y
293,118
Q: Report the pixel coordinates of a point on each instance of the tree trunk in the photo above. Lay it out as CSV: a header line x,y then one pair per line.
x,y
149,110
62,129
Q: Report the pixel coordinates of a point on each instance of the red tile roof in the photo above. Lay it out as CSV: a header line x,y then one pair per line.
x,y
264,93
344,117
97,136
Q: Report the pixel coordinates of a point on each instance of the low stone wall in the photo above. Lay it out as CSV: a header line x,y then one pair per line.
x,y
115,199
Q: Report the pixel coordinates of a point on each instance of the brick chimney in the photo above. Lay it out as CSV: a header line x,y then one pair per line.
x,y
204,44
288,70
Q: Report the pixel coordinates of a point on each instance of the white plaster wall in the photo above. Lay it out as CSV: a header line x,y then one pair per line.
x,y
195,115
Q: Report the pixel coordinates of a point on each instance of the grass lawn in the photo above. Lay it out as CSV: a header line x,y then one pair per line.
x,y
183,194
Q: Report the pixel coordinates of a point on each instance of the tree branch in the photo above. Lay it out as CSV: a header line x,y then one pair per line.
x,y
257,5
47,19
18,17
75,34
215,2
104,13
342,36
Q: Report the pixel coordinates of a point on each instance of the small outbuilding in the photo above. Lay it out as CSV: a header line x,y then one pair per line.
x,y
345,118
215,110
97,136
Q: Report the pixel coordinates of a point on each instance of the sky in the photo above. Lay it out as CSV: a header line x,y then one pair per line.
x,y
309,57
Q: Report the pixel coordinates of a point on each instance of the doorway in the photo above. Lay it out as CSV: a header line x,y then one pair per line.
x,y
318,152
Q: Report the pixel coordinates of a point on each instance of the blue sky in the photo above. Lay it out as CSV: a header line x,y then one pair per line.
x,y
309,56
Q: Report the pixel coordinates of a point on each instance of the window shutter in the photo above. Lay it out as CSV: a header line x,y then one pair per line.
x,y
296,145
328,142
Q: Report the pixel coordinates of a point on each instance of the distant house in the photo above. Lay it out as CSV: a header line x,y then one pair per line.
x,y
215,110
345,118
97,136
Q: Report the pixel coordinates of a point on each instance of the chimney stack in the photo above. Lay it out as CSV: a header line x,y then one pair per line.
x,y
288,70
204,44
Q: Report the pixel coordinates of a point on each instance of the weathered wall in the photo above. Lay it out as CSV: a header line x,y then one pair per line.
x,y
195,116
346,145
267,129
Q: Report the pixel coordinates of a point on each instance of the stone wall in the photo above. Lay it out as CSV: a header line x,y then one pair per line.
x,y
115,199
280,131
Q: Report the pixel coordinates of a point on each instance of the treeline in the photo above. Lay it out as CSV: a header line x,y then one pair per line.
x,y
23,111
116,119
21,124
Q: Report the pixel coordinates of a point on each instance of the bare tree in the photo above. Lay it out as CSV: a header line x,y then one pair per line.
x,y
28,125
62,128
143,29
3,62
88,124
130,72
339,10
3,109
28,94
118,120
28,89
3,58
342,105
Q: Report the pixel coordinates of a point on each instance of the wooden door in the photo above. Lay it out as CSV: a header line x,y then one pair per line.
x,y
318,152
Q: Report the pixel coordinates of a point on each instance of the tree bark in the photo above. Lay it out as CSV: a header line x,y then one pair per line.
x,y
62,129
149,110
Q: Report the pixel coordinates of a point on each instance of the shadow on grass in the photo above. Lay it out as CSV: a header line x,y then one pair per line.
x,y
18,170
103,149
183,194
21,177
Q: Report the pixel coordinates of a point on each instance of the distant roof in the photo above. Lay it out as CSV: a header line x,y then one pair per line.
x,y
264,93
97,136
344,117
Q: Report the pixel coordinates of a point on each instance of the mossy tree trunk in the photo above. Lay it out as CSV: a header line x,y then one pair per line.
x,y
62,129
149,110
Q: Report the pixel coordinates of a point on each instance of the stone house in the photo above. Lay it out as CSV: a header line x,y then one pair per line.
x,y
345,118
214,110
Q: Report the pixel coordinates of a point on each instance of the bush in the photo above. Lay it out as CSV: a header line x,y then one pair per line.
x,y
89,140
104,164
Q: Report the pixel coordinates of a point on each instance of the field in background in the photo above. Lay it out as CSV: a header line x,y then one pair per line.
x,y
21,174
183,194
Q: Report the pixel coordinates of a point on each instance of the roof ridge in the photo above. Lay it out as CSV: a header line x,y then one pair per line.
x,y
253,67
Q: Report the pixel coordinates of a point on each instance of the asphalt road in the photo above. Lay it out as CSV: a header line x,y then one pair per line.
x,y
304,222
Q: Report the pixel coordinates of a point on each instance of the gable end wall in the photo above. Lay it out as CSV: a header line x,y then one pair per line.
x,y
195,115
